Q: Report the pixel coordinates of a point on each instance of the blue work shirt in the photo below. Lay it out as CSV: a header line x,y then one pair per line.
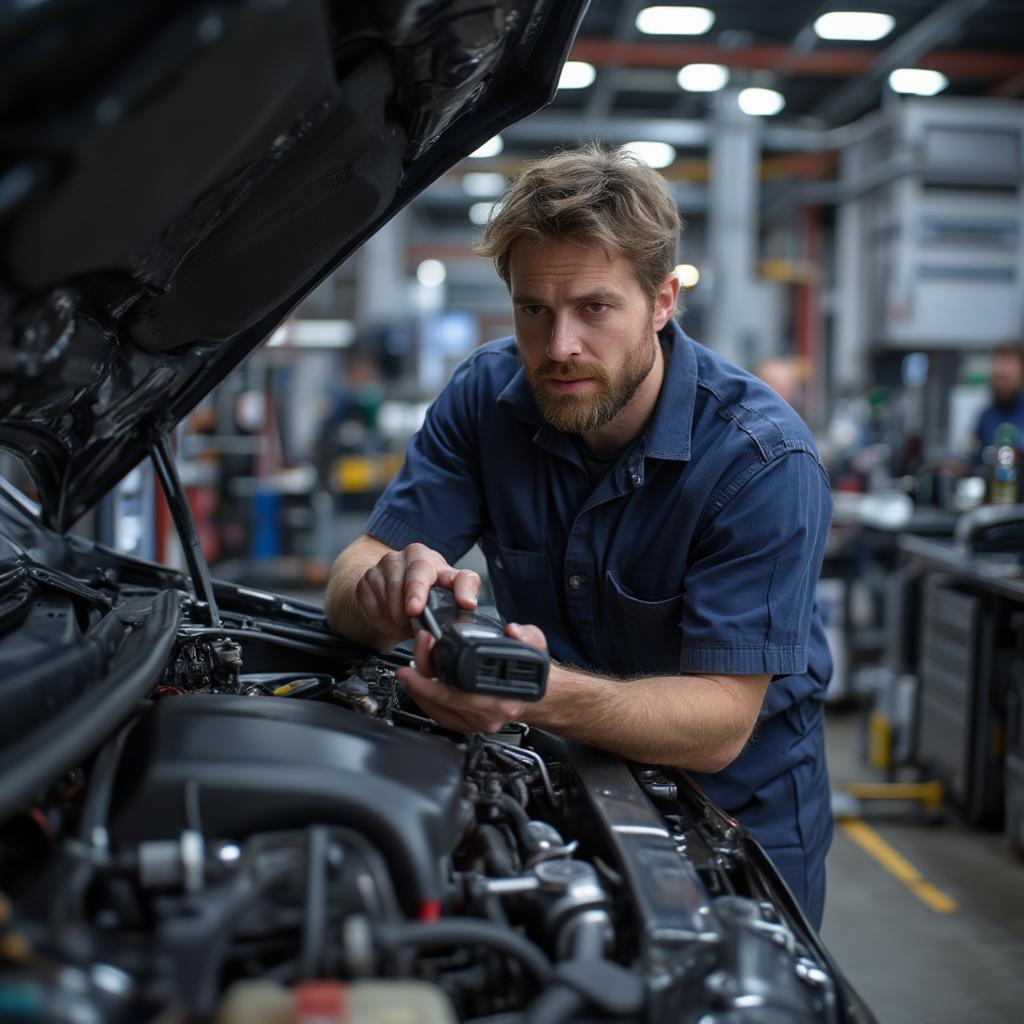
x,y
698,551
993,417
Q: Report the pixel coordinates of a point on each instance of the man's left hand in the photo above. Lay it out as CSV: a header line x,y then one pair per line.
x,y
453,709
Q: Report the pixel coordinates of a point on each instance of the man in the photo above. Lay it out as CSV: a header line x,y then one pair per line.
x,y
1007,381
650,513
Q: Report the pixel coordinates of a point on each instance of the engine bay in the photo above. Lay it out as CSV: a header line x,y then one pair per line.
x,y
274,826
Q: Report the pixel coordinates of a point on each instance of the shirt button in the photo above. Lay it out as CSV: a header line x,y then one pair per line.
x,y
575,581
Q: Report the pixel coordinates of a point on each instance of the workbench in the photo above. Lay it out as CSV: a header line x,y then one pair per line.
x,y
863,553
967,612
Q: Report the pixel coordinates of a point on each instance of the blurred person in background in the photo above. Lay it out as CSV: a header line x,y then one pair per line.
x,y
1007,407
781,376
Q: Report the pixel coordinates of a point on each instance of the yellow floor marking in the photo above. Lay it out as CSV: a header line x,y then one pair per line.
x,y
898,866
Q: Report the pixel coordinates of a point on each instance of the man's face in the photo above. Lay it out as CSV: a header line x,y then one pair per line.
x,y
586,330
1007,376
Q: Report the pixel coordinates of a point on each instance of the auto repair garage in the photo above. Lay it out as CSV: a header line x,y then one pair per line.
x,y
512,511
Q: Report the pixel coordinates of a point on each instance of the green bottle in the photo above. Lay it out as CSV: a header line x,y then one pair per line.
x,y
1003,484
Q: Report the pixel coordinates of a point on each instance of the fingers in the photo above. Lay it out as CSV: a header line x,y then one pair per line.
x,y
396,588
393,569
372,595
529,635
464,583
452,709
421,654
421,571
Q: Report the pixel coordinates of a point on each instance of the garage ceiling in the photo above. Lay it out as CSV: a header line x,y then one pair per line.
x,y
977,44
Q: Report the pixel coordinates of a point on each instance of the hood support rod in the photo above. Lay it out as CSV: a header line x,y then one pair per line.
x,y
181,513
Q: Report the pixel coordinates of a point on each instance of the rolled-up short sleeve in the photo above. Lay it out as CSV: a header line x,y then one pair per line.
x,y
749,589
435,497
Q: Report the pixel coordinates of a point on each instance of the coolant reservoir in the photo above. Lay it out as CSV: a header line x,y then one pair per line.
x,y
335,1002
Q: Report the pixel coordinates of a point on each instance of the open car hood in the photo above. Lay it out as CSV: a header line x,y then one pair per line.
x,y
174,178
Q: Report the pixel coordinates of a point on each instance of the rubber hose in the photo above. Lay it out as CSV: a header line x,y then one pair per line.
x,y
466,932
555,1005
497,855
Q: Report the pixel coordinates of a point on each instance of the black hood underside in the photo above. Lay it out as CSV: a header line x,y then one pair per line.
x,y
174,178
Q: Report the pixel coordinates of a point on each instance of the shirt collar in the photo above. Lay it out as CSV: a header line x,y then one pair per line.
x,y
667,436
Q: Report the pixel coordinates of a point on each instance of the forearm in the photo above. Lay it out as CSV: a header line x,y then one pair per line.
x,y
699,723
344,613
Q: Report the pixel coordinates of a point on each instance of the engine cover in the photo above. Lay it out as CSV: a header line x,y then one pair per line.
x,y
266,763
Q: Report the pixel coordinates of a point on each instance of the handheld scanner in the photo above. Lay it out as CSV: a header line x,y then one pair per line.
x,y
474,655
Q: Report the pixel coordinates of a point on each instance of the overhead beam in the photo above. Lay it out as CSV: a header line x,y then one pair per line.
x,y
1010,88
604,53
936,28
824,62
552,129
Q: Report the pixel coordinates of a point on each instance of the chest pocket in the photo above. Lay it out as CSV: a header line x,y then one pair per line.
x,y
515,577
642,634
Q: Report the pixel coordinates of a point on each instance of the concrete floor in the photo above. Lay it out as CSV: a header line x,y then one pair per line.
x,y
911,964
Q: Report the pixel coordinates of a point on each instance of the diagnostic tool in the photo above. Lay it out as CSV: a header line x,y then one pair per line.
x,y
474,655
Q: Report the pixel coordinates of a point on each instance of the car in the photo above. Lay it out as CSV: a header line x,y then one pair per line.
x,y
212,807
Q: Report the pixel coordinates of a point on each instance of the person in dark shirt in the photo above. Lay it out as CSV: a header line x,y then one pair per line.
x,y
651,514
1007,382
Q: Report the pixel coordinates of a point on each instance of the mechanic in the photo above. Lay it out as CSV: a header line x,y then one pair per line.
x,y
650,513
1007,406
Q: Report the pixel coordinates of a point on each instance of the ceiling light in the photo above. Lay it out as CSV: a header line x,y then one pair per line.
x,y
761,102
483,183
654,154
576,74
314,334
480,213
688,275
917,81
322,333
675,21
858,26
431,273
703,77
492,147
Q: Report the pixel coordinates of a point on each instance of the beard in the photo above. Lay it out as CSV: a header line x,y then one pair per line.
x,y
577,414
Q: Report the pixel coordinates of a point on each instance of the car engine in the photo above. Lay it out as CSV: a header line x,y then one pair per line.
x,y
272,831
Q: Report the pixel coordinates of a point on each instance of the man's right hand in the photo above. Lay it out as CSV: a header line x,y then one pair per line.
x,y
396,588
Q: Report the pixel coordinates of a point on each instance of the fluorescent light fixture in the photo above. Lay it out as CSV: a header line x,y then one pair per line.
x,y
654,154
674,21
481,184
492,147
761,102
688,275
703,77
917,81
431,273
314,334
576,74
480,213
856,26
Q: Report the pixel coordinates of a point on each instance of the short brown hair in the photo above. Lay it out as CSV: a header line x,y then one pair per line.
x,y
590,196
1009,349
